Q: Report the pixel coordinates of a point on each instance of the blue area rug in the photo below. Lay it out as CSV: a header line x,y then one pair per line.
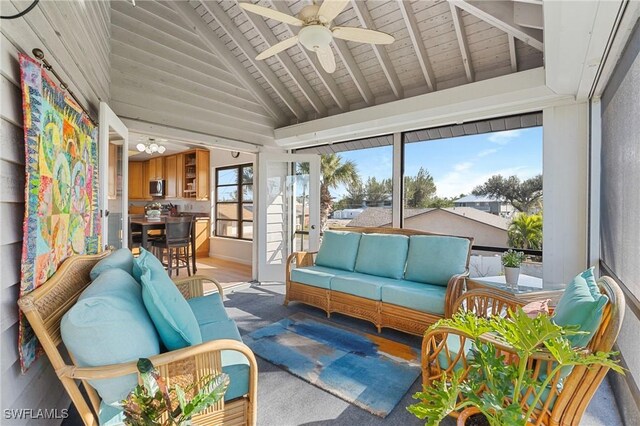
x,y
366,370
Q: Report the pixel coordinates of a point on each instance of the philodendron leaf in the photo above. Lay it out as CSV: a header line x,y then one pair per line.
x,y
212,392
437,401
465,322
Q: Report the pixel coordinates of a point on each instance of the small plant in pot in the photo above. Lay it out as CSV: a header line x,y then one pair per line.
x,y
497,388
511,260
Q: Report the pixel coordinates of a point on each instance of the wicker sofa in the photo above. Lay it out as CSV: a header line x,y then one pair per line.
x,y
48,307
396,278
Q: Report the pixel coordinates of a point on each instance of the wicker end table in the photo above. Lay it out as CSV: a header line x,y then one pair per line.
x,y
529,288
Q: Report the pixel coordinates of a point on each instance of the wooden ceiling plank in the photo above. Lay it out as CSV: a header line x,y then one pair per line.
x,y
418,43
267,35
462,41
500,15
512,53
193,20
325,77
366,21
354,70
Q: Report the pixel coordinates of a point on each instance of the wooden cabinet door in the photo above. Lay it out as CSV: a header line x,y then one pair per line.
x,y
136,180
170,175
180,176
202,175
146,178
158,168
202,237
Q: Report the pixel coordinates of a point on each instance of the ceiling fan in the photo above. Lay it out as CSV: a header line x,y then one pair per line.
x,y
316,33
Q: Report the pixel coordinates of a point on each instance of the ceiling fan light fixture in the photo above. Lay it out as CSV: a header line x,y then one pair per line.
x,y
314,37
141,147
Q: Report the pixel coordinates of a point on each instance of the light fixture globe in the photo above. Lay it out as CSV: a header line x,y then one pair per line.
x,y
153,147
141,147
161,149
314,37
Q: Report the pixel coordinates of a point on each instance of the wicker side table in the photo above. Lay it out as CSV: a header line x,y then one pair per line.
x,y
529,288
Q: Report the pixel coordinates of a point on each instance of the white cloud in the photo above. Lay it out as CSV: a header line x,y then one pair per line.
x,y
487,152
462,166
503,138
457,182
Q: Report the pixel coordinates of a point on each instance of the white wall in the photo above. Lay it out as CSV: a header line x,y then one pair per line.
x,y
86,69
565,181
226,248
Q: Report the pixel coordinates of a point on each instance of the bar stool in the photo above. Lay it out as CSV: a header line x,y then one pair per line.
x,y
175,244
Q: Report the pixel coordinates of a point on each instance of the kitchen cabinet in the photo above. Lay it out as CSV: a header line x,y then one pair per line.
x,y
202,232
171,175
156,168
196,174
137,188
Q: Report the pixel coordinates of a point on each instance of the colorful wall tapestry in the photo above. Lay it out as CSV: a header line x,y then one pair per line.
x,y
61,193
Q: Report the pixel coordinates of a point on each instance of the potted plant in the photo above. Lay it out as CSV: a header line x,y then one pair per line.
x,y
493,386
154,404
511,260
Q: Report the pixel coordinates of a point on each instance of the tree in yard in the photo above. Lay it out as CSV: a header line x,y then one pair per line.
x,y
334,171
356,194
419,189
523,196
440,202
377,191
525,231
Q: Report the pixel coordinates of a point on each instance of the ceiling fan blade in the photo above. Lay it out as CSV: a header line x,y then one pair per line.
x,y
362,35
326,58
270,13
277,48
332,8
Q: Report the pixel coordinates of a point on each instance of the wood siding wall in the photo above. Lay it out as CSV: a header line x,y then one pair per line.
x,y
163,73
75,39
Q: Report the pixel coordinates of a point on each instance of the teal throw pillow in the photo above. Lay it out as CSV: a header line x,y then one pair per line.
x,y
338,250
174,320
109,325
118,259
581,305
383,255
434,259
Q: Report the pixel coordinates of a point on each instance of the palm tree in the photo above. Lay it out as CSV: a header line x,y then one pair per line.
x,y
525,231
334,171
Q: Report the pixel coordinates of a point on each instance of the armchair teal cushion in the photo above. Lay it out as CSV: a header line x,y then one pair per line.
x,y
338,250
109,325
174,320
581,305
383,255
119,259
434,259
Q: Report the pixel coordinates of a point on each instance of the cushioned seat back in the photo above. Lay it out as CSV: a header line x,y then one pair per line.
x,y
338,250
434,259
383,255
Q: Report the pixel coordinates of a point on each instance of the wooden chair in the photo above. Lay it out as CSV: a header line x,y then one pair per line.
x,y
176,244
565,404
45,307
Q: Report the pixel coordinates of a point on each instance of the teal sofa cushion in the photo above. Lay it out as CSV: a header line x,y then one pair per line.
x,y
338,250
110,416
362,285
419,296
316,276
581,305
234,363
382,255
119,259
434,259
169,311
109,325
208,309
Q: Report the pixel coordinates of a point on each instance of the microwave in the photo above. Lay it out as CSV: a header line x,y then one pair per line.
x,y
156,188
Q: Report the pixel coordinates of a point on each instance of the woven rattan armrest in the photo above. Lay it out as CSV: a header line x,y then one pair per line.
x,y
193,286
455,287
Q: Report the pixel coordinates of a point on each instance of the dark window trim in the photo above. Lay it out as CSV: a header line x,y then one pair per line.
x,y
240,201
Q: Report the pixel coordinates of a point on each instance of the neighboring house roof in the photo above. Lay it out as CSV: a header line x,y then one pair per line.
x,y
380,216
478,199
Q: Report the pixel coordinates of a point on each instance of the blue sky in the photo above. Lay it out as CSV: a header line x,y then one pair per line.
x,y
458,164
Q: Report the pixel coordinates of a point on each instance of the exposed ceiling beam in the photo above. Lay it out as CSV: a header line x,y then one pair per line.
x,y
216,11
364,16
354,71
512,53
325,77
462,41
290,67
418,43
500,15
211,40
528,15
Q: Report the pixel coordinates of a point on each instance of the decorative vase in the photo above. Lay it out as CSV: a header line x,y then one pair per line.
x,y
511,276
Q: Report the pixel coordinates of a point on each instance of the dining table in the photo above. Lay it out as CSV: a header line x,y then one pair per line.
x,y
147,224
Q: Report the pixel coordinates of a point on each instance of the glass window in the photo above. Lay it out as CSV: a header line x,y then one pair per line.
x,y
234,202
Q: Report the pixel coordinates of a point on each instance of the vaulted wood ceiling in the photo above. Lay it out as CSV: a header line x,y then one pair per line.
x,y
211,46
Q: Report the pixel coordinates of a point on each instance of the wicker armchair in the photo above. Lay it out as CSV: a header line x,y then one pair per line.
x,y
45,306
564,405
